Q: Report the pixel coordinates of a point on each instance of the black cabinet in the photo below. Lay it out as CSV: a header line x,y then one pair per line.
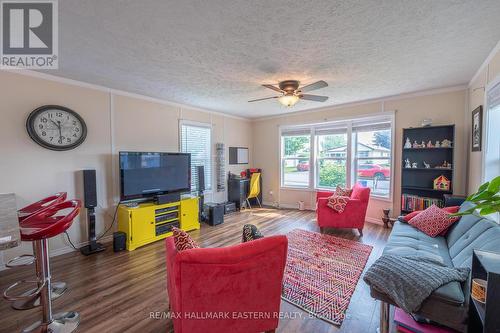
x,y
484,317
238,189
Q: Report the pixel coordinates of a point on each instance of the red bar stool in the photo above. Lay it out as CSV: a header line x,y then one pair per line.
x,y
58,288
38,228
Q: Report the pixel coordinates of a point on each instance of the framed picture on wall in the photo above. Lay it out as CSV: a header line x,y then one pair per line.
x,y
477,128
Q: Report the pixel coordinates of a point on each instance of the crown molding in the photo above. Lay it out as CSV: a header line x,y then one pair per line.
x,y
117,92
369,101
485,63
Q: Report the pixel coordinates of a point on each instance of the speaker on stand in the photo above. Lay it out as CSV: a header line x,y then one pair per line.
x,y
90,202
200,188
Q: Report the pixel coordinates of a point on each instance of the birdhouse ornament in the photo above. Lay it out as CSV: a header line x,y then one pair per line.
x,y
442,183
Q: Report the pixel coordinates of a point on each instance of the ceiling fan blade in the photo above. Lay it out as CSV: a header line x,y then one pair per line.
x,y
315,98
270,86
314,86
262,99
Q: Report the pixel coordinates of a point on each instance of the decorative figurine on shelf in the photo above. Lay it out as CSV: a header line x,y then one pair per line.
x,y
407,163
437,145
445,165
414,165
446,143
429,144
442,183
407,143
427,165
415,144
422,145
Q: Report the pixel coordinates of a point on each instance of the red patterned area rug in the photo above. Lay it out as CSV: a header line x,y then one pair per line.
x,y
322,272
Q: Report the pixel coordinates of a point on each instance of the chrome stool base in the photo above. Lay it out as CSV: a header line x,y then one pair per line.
x,y
58,289
64,322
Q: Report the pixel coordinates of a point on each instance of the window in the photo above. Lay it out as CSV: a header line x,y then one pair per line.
x,y
331,158
372,157
196,140
344,153
492,142
295,159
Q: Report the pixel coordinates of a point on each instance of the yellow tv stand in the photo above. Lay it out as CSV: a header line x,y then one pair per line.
x,y
149,222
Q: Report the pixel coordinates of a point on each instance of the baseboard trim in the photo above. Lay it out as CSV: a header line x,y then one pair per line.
x,y
374,220
286,206
68,248
65,249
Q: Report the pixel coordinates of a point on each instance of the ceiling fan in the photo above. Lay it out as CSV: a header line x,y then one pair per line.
x,y
291,93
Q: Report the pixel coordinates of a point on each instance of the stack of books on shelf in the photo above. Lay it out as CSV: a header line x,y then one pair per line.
x,y
411,203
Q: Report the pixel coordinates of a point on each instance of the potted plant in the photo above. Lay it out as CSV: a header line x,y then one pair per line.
x,y
487,199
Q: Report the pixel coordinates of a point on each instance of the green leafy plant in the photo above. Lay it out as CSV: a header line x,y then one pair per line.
x,y
487,199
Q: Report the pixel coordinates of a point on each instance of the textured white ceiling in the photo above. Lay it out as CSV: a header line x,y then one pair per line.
x,y
214,54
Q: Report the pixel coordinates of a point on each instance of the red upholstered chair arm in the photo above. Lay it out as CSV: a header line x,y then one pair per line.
x,y
355,204
236,253
323,194
351,204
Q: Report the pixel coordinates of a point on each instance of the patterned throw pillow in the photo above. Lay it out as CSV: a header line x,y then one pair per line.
x,y
337,202
409,216
183,241
345,192
250,233
433,221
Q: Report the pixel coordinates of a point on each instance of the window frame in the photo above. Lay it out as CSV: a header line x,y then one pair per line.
x,y
351,159
203,125
282,160
493,85
315,182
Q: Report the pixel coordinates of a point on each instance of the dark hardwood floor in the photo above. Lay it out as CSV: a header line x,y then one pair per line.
x,y
118,292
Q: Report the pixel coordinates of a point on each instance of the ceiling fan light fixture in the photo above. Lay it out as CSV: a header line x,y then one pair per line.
x,y
288,100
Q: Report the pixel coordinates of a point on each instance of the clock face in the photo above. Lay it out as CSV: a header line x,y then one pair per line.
x,y
56,127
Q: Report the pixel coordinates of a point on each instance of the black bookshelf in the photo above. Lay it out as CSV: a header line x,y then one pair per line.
x,y
484,317
418,182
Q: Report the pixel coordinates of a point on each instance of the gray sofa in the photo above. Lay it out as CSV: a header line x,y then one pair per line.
x,y
448,305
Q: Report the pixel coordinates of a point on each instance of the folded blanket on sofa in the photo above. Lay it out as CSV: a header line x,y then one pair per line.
x,y
408,281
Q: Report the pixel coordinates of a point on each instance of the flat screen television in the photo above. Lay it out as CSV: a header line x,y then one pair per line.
x,y
148,174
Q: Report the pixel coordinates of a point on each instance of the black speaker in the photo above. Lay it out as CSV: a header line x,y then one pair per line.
x,y
214,213
200,172
90,202
89,189
119,241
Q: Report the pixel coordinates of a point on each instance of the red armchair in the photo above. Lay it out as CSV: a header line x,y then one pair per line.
x,y
241,284
352,217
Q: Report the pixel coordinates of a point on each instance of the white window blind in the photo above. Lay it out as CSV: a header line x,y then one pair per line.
x,y
196,140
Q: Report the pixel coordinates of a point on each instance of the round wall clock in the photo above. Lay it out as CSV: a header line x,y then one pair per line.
x,y
56,127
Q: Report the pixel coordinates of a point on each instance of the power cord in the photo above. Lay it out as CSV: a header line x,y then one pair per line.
x,y
112,222
105,232
70,242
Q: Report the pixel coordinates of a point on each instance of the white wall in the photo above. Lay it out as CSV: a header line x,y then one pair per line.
x,y
115,122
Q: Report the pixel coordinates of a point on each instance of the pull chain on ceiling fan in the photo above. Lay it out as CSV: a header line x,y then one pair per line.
x,y
291,93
